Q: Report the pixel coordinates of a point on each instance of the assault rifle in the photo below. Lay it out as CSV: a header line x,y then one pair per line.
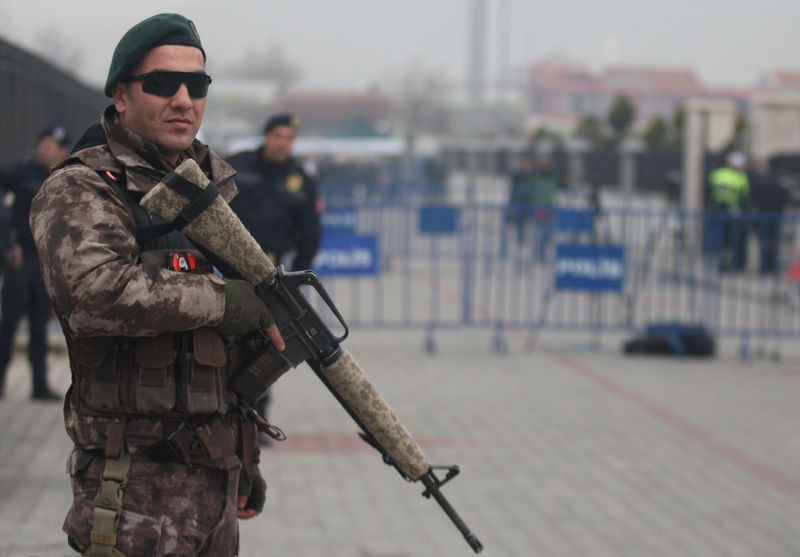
x,y
186,197
309,339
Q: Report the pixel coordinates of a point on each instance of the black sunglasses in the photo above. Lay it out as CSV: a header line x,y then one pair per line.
x,y
166,84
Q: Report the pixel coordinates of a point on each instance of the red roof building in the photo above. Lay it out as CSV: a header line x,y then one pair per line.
x,y
562,90
782,80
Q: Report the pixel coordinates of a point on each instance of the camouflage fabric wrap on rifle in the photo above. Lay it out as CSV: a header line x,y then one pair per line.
x,y
347,378
217,229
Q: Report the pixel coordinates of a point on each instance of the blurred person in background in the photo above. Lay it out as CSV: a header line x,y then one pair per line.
x,y
521,195
729,193
278,203
23,286
769,197
533,190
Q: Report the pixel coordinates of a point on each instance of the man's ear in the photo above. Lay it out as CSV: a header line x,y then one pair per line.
x,y
119,93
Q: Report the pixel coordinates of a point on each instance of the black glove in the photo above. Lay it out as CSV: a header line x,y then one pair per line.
x,y
244,310
255,488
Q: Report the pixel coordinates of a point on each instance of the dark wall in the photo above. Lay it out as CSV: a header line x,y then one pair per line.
x,y
601,167
655,170
785,164
35,94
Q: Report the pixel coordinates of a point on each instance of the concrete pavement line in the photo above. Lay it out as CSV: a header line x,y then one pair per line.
x,y
760,470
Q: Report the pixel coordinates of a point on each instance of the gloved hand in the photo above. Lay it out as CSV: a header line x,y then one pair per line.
x,y
252,493
244,310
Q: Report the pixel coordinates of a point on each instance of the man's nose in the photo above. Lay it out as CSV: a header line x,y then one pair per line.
x,y
181,99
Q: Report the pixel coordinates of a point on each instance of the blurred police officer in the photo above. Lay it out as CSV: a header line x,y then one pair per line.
x,y
278,202
277,199
23,286
729,196
770,198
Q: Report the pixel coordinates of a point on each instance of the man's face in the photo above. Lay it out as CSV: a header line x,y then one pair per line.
x,y
278,143
171,123
49,152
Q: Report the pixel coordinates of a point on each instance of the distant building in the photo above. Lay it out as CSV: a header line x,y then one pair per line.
x,y
785,81
653,91
559,91
34,93
330,114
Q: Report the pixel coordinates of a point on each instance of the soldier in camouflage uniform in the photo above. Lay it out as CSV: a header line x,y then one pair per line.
x,y
165,460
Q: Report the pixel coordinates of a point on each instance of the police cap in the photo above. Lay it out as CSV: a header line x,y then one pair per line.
x,y
56,132
281,120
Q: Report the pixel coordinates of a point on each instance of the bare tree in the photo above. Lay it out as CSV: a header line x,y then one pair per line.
x,y
657,134
594,130
270,64
417,93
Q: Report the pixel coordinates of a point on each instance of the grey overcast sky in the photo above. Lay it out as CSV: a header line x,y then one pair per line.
x,y
342,43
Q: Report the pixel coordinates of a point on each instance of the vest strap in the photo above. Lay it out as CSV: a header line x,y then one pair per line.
x,y
115,440
200,198
107,510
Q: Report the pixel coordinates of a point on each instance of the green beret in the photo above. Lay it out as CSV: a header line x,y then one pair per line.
x,y
152,32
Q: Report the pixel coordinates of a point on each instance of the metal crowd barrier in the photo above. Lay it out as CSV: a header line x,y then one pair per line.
x,y
572,269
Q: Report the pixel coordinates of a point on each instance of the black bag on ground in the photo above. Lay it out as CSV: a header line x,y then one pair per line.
x,y
673,339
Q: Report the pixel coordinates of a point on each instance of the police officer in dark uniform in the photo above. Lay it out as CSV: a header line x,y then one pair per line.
x,y
23,286
278,201
769,197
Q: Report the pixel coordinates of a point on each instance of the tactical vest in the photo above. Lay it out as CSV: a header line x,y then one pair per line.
x,y
163,396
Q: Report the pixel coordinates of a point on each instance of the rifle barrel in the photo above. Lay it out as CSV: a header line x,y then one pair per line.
x,y
432,487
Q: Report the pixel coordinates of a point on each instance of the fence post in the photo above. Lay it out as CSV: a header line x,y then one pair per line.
x,y
467,255
430,341
745,352
499,341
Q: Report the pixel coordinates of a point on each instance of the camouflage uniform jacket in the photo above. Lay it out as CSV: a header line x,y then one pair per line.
x,y
90,258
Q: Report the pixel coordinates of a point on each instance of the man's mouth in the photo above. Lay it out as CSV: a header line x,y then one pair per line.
x,y
180,122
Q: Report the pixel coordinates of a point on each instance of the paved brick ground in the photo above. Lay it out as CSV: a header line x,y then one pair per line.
x,y
565,451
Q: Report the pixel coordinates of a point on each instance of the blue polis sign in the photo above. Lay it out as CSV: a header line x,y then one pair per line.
x,y
347,255
575,220
592,268
439,219
339,220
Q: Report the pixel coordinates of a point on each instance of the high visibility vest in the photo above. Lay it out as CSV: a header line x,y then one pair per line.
x,y
729,187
